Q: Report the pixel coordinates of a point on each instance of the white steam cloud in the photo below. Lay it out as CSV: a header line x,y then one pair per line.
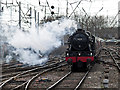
x,y
31,44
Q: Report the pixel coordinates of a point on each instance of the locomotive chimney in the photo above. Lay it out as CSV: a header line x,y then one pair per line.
x,y
78,26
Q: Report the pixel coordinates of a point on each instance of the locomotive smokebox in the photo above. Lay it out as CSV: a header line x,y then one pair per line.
x,y
78,26
79,40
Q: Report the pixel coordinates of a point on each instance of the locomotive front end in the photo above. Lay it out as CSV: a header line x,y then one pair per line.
x,y
79,53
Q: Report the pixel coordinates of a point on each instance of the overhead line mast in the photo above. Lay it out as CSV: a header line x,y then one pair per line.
x,y
0,5
67,9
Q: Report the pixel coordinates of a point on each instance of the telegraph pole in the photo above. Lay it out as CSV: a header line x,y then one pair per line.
x,y
67,9
38,19
19,14
30,16
45,12
0,44
35,15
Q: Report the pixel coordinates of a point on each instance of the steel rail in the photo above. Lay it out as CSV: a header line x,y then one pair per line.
x,y
115,52
60,80
118,67
82,80
45,71
47,66
114,60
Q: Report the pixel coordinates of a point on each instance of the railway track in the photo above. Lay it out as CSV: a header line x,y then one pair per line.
x,y
116,61
33,78
111,67
21,79
64,82
79,78
64,79
22,67
103,71
42,74
14,70
113,55
115,52
114,49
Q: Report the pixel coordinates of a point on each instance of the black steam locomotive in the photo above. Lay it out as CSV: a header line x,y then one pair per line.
x,y
81,50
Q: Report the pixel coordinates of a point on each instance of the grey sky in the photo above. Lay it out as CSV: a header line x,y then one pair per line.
x,y
110,7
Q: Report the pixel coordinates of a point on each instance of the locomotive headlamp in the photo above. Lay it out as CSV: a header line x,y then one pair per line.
x,y
69,61
79,54
90,54
67,54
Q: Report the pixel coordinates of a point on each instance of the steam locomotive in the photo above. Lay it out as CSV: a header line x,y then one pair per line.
x,y
81,50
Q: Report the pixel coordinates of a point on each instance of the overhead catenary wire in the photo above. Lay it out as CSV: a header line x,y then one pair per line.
x,y
75,8
115,18
24,15
48,5
72,7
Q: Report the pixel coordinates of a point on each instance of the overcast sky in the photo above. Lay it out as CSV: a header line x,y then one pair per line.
x,y
92,7
110,7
